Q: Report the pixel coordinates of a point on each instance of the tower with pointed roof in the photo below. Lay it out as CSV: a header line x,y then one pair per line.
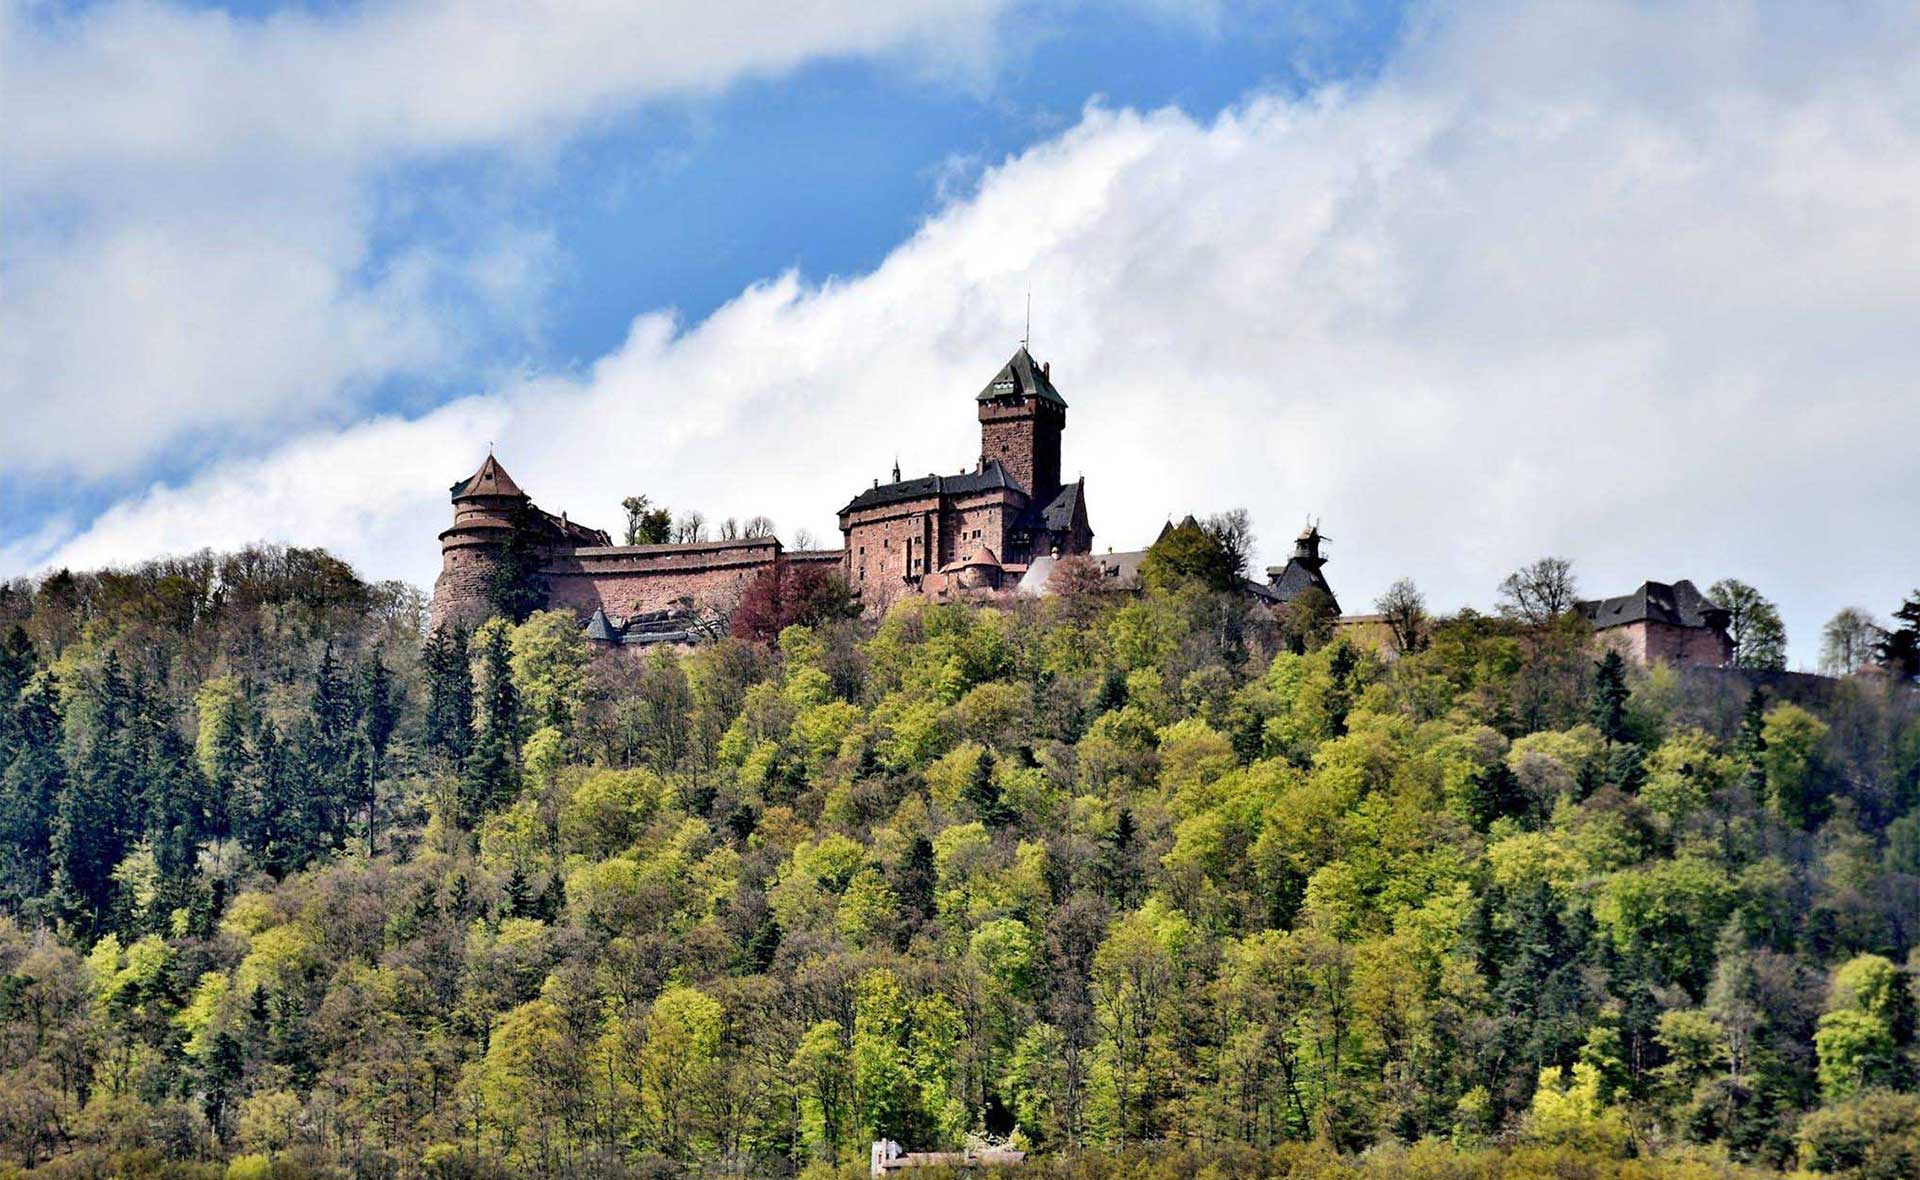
x,y
1021,417
979,529
495,523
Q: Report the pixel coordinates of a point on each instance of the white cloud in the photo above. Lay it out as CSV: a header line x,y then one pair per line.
x,y
188,205
1634,290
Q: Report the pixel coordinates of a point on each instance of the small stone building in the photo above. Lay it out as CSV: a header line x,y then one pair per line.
x,y
1662,623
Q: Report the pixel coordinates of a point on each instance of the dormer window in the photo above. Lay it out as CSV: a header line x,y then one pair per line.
x,y
1005,386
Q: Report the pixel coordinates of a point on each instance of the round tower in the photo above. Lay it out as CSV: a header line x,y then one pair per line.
x,y
485,506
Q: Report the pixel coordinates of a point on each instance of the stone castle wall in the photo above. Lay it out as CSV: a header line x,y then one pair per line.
x,y
622,580
628,580
1648,642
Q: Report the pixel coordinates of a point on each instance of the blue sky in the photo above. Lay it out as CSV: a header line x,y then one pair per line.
x,y
1469,282
681,202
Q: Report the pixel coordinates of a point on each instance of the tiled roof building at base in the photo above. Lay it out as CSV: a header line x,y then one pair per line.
x,y
976,530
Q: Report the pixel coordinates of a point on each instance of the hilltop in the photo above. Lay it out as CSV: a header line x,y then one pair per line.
x,y
1146,884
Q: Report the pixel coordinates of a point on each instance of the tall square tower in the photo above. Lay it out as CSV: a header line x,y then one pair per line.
x,y
1021,417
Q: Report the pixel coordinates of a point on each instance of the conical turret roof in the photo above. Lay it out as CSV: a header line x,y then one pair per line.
x,y
491,480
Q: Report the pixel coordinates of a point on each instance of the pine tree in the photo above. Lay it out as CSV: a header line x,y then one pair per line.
x,y
264,817
914,880
1119,862
324,742
1900,650
519,894
553,899
983,793
1340,666
491,774
447,727
378,712
97,811
1608,706
31,786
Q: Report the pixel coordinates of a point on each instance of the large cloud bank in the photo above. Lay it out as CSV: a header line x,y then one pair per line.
x,y
1636,285
192,198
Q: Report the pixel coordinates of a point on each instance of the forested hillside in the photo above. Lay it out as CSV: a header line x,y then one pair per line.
x,y
1144,884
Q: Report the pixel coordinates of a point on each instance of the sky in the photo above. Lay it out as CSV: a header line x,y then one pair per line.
x,y
1631,283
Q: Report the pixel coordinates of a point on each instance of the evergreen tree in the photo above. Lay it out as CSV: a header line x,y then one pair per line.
x,y
1340,668
1900,650
914,882
519,894
491,774
1608,705
265,818
983,793
447,727
97,812
378,713
31,787
325,743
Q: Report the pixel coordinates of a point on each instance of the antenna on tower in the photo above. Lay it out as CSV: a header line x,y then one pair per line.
x,y
1026,334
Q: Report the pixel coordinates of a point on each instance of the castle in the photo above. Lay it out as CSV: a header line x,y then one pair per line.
x,y
1001,526
939,535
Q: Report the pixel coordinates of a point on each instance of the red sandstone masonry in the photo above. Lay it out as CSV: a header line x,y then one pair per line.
x,y
621,580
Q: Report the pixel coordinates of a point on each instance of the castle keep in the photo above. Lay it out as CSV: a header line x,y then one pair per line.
x,y
979,529
936,535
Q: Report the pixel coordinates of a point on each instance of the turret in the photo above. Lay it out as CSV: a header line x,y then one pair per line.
x,y
486,507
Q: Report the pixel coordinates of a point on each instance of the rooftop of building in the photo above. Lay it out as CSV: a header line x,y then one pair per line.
x,y
491,480
1056,515
1022,376
990,476
1679,604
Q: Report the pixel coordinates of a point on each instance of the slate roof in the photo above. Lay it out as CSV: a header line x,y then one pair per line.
x,y
1024,377
673,625
988,478
1122,571
1056,515
1288,582
1680,605
491,480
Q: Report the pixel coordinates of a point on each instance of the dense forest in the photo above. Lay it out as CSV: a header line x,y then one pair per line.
x,y
1147,884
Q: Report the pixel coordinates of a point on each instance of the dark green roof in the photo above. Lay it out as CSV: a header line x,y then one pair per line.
x,y
1022,377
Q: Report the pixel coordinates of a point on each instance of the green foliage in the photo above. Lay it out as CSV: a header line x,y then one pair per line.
x,y
1149,884
1193,553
